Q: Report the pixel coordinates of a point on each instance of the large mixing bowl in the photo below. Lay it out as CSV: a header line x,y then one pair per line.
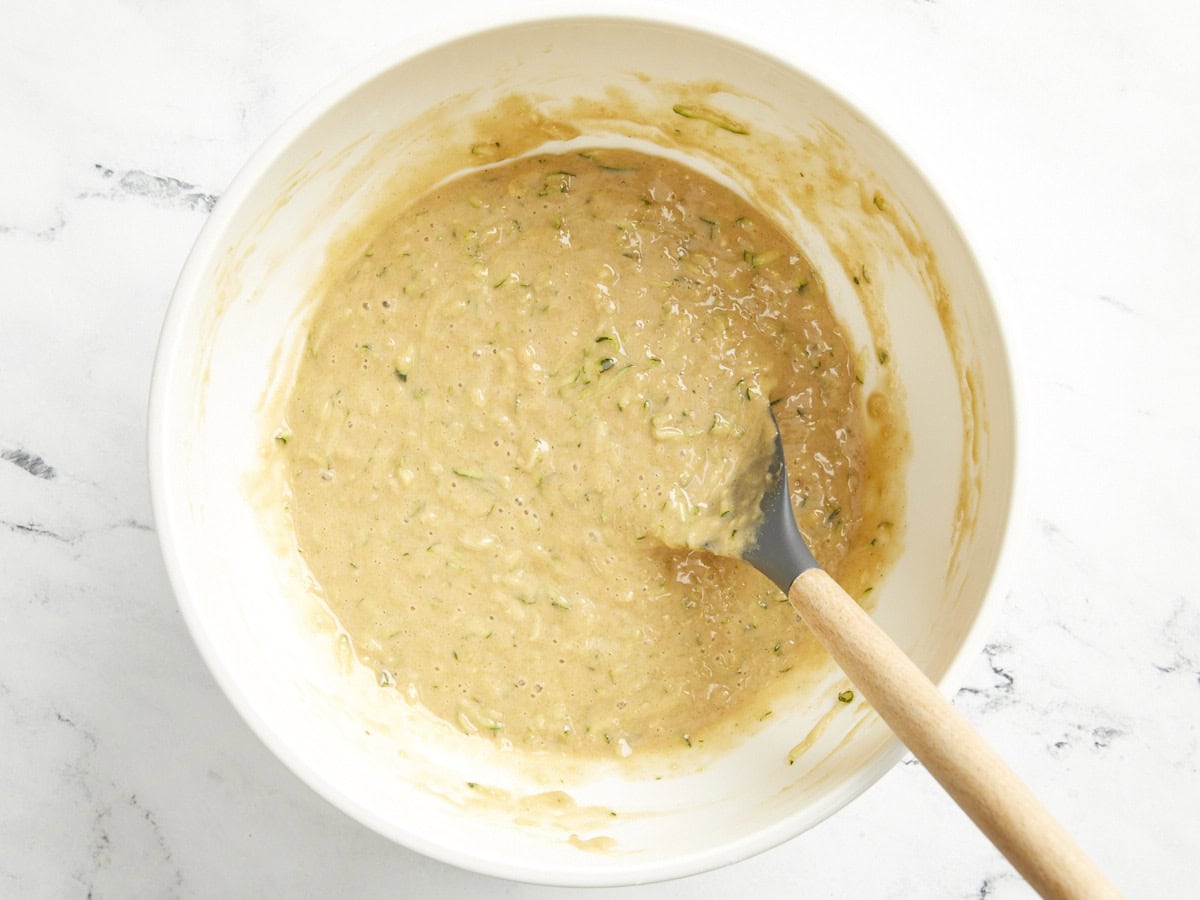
x,y
899,274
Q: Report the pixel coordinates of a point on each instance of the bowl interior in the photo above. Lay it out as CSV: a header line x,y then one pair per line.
x,y
229,344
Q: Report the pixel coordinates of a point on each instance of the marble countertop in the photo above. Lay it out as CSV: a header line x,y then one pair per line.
x,y
1066,137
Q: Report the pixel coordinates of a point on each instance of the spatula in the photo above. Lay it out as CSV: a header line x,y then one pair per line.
x,y
987,790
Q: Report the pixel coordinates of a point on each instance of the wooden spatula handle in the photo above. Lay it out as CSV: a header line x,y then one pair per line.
x,y
979,781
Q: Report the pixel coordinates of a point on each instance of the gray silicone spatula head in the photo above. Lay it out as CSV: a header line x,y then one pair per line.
x,y
778,550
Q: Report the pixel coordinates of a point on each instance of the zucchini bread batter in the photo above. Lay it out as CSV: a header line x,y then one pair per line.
x,y
522,411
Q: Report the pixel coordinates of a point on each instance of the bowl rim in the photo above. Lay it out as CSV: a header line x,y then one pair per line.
x,y
185,295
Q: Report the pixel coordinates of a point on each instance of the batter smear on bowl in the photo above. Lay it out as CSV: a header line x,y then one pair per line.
x,y
522,401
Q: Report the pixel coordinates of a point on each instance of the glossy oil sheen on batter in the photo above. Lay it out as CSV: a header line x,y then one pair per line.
x,y
522,411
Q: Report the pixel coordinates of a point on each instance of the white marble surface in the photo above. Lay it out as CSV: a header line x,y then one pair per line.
x,y
1067,138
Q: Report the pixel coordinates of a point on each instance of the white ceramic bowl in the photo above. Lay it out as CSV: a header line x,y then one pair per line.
x,y
231,331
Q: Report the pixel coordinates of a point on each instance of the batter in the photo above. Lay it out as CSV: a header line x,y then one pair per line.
x,y
519,420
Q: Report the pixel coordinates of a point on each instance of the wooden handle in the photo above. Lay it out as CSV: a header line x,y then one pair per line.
x,y
979,781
